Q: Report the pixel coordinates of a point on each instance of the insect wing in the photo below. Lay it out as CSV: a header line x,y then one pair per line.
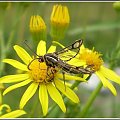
x,y
69,52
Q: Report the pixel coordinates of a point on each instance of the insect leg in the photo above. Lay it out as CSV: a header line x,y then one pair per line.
x,y
64,79
52,72
48,70
25,41
30,64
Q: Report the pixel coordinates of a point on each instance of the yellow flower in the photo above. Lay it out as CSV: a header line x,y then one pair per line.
x,y
37,74
37,28
11,114
59,21
92,57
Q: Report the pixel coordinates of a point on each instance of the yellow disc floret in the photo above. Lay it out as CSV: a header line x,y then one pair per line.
x,y
92,58
40,72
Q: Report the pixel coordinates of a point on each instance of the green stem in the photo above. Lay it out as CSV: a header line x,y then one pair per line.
x,y
4,50
10,39
113,100
112,65
91,100
76,83
34,108
3,54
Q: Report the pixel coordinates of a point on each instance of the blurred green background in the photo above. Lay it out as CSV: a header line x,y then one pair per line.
x,y
97,23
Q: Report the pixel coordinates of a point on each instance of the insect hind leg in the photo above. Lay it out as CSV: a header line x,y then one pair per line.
x,y
64,79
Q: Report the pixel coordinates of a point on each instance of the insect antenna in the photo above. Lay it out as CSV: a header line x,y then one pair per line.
x,y
25,41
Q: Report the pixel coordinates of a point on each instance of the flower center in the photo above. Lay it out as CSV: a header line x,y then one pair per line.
x,y
40,72
92,58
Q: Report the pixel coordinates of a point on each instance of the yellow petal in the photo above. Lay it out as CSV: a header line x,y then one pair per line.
x,y
76,62
16,64
25,57
109,74
13,114
43,97
2,106
68,84
55,95
51,49
69,77
55,42
41,48
66,17
16,86
14,78
28,94
106,83
68,92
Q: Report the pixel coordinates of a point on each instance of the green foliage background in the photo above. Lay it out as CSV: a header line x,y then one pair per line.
x,y
96,22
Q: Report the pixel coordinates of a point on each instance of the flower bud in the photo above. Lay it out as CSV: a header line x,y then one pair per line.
x,y
59,21
37,28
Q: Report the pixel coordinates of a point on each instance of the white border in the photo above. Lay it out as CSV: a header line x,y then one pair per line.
x,y
53,117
